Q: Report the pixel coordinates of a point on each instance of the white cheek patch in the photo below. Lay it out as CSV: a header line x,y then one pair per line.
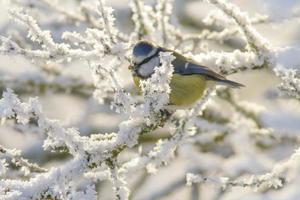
x,y
147,69
138,59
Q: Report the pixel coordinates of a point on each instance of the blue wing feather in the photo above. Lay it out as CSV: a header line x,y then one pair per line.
x,y
189,67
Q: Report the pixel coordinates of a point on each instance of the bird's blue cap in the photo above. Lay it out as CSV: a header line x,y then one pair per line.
x,y
142,48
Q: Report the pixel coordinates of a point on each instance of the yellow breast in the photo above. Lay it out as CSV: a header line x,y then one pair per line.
x,y
185,90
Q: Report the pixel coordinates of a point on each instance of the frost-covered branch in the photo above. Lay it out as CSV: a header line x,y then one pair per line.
x,y
11,48
254,39
12,107
39,187
15,157
164,11
77,145
276,178
218,18
156,89
256,42
290,84
141,17
58,136
228,63
271,57
43,82
223,135
164,149
254,182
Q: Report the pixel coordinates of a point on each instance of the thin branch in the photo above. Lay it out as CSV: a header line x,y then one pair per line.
x,y
19,161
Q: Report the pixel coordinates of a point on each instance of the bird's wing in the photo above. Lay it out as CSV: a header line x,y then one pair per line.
x,y
187,67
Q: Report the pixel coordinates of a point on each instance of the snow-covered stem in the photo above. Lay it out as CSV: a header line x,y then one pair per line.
x,y
42,82
219,36
217,18
58,136
229,63
35,32
268,180
206,35
108,19
119,185
106,83
156,89
98,157
276,178
257,43
248,110
141,17
290,85
164,11
254,39
21,162
38,187
11,48
78,146
164,149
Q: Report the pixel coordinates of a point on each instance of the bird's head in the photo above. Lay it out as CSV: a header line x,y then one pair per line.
x,y
145,57
141,51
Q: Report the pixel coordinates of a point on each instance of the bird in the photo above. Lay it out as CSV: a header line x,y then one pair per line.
x,y
189,80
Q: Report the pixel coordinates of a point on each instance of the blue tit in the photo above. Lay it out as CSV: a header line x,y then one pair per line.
x,y
189,81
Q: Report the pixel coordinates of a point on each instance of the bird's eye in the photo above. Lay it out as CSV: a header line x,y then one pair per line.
x,y
133,63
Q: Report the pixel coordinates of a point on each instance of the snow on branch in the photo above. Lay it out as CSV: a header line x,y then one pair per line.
x,y
46,185
233,62
80,147
43,82
256,42
12,107
98,157
164,11
254,182
164,149
271,56
156,89
50,49
219,19
254,39
144,24
276,178
19,161
290,84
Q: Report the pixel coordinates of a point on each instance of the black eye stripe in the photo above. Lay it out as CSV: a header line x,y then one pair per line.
x,y
149,58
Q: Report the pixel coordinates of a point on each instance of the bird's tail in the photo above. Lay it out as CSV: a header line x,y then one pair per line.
x,y
230,83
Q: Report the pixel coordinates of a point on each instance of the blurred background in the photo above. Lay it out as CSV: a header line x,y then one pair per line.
x,y
75,106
